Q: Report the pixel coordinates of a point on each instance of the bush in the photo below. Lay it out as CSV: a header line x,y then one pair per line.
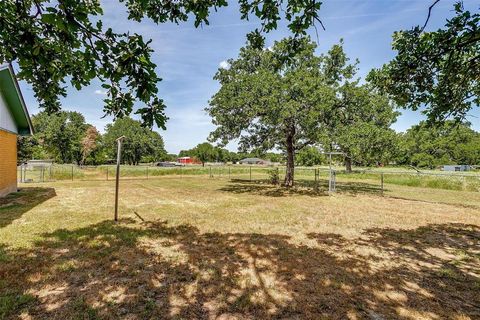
x,y
274,176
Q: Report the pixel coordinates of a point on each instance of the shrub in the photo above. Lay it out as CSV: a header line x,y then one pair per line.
x,y
274,176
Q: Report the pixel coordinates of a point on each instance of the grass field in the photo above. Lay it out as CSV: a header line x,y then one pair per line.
x,y
197,248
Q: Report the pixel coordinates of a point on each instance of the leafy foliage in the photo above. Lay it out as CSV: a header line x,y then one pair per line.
x,y
60,135
65,41
205,152
359,125
309,156
451,143
90,143
139,141
438,70
274,176
276,98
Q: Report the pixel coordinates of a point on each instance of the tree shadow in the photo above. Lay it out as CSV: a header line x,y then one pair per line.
x,y
265,188
14,205
301,187
153,270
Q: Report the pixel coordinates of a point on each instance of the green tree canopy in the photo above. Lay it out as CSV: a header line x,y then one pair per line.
x,y
55,42
359,125
205,152
60,135
310,156
277,98
449,143
438,70
139,142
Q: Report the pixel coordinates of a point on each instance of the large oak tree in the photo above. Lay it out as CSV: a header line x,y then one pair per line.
x,y
277,97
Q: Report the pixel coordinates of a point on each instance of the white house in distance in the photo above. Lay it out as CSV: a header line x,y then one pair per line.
x,y
456,167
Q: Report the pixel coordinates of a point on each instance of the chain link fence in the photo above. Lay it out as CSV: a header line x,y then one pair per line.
x,y
455,188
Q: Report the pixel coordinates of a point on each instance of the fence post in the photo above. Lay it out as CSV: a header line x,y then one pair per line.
x,y
250,174
147,172
381,181
229,173
107,173
72,171
210,171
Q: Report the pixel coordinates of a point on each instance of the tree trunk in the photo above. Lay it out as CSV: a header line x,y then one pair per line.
x,y
348,164
290,172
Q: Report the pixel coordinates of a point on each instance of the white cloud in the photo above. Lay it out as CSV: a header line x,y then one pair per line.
x,y
224,64
101,92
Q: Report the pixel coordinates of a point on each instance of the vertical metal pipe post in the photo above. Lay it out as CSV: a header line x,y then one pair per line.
x,y
119,157
250,173
381,181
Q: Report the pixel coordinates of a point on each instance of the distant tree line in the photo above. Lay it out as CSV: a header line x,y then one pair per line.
x,y
206,152
427,146
66,138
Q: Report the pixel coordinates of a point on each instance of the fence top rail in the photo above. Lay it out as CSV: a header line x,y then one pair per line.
x,y
450,175
246,168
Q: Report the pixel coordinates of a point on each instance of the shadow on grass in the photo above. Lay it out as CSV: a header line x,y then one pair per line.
x,y
14,205
156,271
302,187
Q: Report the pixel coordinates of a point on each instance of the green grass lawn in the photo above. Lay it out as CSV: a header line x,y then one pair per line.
x,y
192,247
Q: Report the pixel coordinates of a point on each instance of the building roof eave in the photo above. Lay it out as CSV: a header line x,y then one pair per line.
x,y
14,98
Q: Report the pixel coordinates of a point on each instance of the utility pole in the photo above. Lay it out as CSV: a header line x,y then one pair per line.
x,y
119,158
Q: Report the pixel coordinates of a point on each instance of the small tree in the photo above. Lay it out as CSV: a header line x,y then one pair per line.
x,y
89,142
276,98
204,152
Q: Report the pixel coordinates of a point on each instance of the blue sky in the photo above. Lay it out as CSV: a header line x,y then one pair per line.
x,y
187,58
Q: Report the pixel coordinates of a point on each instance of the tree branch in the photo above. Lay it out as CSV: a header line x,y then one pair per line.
x,y
429,14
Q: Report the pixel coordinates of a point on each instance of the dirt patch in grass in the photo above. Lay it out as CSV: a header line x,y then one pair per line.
x,y
205,252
